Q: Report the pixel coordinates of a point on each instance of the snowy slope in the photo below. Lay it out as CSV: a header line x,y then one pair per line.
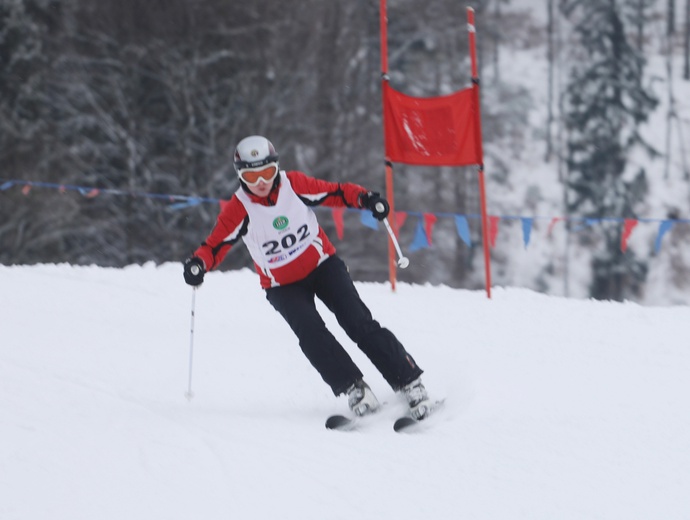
x,y
555,408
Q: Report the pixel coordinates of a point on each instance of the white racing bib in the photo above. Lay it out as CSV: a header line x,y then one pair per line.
x,y
278,234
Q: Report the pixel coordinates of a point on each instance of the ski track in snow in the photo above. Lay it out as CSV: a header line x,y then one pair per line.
x,y
555,408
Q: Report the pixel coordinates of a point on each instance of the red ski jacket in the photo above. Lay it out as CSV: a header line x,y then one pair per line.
x,y
233,224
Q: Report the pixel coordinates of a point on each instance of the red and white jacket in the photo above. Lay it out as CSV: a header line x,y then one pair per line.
x,y
280,230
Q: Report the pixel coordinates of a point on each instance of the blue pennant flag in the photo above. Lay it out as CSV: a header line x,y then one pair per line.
x,y
6,186
463,229
664,228
527,230
420,239
368,220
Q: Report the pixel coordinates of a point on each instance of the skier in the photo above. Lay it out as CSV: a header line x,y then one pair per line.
x,y
295,260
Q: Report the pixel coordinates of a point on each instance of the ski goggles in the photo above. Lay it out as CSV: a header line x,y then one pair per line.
x,y
266,173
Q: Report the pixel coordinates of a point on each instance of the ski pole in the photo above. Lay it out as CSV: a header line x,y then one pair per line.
x,y
189,393
403,261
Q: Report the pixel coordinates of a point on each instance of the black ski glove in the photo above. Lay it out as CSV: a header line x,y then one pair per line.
x,y
194,271
376,203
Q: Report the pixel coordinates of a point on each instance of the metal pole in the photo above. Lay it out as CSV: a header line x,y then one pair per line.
x,y
403,261
383,34
188,394
480,152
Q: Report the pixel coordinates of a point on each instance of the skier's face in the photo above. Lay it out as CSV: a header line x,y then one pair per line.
x,y
260,180
252,176
262,188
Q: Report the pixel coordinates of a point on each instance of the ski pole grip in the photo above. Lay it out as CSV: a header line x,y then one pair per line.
x,y
195,270
380,207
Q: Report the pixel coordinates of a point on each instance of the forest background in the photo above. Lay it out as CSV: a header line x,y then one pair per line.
x,y
585,118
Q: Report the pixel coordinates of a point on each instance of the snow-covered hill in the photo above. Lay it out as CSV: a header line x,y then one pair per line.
x,y
555,408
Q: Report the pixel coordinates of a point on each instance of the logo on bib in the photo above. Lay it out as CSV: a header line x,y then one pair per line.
x,y
280,223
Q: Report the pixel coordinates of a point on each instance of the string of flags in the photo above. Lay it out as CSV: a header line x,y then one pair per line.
x,y
425,222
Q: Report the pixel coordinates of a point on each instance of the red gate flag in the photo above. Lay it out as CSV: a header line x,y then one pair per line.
x,y
433,131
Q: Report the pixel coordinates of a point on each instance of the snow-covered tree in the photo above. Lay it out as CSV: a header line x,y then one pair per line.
x,y
28,225
638,14
606,103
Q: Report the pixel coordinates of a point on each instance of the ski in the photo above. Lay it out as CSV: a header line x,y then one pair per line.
x,y
404,423
341,423
346,423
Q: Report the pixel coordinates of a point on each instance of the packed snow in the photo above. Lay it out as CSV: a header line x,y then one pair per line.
x,y
555,408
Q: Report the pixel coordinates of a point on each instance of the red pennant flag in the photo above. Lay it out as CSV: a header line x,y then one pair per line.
x,y
435,131
400,218
26,189
553,223
628,227
493,229
338,220
429,221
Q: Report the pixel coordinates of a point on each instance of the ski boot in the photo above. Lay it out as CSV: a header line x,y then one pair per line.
x,y
361,399
417,399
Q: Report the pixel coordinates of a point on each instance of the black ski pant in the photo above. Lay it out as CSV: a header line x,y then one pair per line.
x,y
332,284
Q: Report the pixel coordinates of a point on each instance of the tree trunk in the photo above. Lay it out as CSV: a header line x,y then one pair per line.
x,y
640,25
550,59
686,68
497,42
671,18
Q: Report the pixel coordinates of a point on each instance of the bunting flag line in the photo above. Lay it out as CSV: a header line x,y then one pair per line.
x,y
92,192
88,193
585,223
426,221
186,204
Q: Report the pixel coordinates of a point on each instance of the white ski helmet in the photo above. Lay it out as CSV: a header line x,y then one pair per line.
x,y
253,152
